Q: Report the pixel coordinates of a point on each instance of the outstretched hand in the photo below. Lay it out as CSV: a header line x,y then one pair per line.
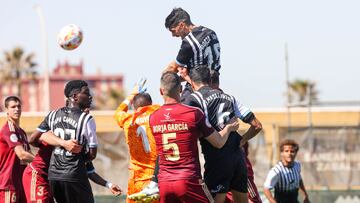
x,y
138,88
115,189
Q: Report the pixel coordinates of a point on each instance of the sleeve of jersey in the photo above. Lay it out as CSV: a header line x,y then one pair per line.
x,y
185,54
91,133
299,165
271,179
90,167
203,124
44,125
121,113
11,138
192,101
243,112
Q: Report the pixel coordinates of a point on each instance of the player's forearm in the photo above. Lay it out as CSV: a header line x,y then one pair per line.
x,y
91,155
255,128
123,107
34,138
23,155
269,196
97,179
51,139
250,133
220,139
224,135
303,190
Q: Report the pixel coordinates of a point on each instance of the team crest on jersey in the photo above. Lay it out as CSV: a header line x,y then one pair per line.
x,y
13,138
167,116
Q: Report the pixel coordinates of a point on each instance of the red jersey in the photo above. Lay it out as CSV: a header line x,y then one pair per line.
x,y
42,159
11,168
176,128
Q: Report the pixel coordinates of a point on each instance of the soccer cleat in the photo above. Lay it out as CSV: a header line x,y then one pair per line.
x,y
149,199
150,192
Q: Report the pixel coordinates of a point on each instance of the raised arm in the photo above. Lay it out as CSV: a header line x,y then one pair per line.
x,y
121,112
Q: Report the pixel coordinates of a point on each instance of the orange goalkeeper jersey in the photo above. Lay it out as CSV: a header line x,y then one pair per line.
x,y
141,144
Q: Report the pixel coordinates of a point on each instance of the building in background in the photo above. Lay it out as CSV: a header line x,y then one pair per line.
x,y
106,89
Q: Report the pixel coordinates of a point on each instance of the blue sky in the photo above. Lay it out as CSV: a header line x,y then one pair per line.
x,y
129,37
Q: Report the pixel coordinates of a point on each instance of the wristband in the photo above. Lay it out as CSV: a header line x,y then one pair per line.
x,y
108,185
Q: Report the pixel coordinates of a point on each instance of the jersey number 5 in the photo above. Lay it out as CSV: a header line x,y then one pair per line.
x,y
175,156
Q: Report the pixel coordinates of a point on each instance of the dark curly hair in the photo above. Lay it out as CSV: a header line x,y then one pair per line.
x,y
74,86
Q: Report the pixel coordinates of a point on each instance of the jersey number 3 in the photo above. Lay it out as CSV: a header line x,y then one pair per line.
x,y
175,155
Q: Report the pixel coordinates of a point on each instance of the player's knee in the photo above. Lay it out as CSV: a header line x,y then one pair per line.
x,y
220,198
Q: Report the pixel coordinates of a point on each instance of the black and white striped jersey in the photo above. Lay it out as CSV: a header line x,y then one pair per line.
x,y
70,123
218,108
200,47
285,181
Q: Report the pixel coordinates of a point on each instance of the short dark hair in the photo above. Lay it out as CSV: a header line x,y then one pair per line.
x,y
289,142
142,99
200,75
214,76
176,16
74,86
170,83
11,98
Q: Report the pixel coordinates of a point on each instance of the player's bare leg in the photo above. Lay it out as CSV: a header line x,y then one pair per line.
x,y
239,197
220,198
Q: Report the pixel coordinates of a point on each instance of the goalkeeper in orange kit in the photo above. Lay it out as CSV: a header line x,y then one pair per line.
x,y
140,140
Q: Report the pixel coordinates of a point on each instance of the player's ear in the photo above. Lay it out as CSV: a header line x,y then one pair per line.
x,y
74,98
161,92
192,84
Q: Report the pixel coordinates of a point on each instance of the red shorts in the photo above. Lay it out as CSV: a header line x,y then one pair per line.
x,y
189,191
36,186
11,196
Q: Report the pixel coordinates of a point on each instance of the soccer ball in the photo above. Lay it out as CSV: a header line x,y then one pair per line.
x,y
70,37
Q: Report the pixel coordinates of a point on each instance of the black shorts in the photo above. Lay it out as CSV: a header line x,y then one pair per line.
x,y
71,192
227,174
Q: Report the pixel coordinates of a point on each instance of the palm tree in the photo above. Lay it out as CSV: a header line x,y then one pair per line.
x,y
109,100
299,91
17,66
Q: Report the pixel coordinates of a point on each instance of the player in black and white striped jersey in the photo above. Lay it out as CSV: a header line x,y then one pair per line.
x,y
200,46
285,176
67,172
